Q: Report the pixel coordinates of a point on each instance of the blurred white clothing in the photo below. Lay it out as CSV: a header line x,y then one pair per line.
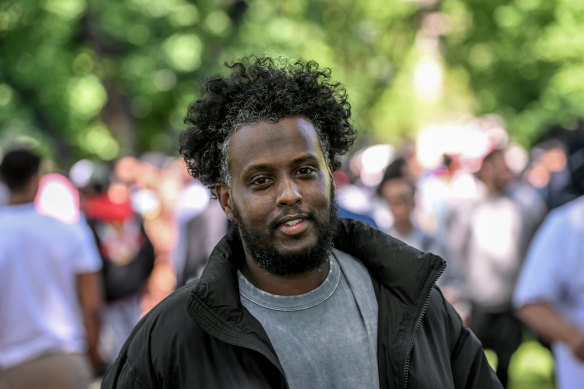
x,y
40,258
554,273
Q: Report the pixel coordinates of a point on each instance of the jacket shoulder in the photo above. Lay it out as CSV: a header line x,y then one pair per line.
x,y
444,341
154,346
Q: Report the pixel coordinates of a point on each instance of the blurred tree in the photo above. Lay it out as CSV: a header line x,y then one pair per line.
x,y
88,78
523,60
104,78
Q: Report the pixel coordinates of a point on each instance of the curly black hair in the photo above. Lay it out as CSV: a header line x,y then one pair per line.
x,y
263,89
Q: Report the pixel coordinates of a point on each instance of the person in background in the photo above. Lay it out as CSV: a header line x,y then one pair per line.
x,y
549,173
50,286
293,297
127,256
201,224
399,192
489,237
550,291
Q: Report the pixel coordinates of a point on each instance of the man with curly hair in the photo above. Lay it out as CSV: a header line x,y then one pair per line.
x,y
293,296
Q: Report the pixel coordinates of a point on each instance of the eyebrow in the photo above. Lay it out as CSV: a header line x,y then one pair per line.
x,y
305,158
297,161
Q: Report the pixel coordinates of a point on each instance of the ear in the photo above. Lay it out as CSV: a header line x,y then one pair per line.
x,y
224,198
34,184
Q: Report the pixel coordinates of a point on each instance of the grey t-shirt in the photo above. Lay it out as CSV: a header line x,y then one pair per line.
x,y
326,338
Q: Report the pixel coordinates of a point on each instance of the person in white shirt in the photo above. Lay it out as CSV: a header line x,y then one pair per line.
x,y
550,292
49,286
488,237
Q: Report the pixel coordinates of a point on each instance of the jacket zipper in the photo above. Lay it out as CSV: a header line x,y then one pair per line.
x,y
406,368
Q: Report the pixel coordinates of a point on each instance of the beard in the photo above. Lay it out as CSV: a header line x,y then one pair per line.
x,y
282,263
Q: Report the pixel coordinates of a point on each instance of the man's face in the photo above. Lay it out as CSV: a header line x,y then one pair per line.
x,y
281,195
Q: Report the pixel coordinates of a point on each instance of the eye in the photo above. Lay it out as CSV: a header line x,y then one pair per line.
x,y
259,181
306,171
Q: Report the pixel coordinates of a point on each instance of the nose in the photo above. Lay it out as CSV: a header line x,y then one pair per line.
x,y
288,192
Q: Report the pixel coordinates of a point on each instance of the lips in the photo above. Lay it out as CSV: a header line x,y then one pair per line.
x,y
294,227
292,224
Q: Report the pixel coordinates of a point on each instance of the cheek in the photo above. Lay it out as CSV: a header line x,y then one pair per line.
x,y
252,209
319,196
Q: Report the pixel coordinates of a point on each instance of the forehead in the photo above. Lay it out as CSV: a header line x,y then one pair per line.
x,y
268,143
397,187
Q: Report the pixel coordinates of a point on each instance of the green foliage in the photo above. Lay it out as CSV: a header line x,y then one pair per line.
x,y
532,366
523,59
103,78
89,78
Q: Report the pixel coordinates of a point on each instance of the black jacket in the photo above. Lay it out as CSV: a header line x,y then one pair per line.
x,y
202,337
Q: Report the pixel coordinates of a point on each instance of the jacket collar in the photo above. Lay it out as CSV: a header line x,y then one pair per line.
x,y
409,273
406,271
215,305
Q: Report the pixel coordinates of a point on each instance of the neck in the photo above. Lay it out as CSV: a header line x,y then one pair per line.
x,y
403,228
494,191
27,193
20,198
284,285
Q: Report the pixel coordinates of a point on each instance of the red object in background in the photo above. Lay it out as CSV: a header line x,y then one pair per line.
x,y
101,207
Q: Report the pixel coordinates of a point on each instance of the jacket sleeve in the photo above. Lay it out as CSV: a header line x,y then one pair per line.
x,y
469,364
446,354
470,368
123,374
133,368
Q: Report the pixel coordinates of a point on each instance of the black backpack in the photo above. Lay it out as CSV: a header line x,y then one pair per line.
x,y
127,254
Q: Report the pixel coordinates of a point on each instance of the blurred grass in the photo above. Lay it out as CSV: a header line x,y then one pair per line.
x,y
532,366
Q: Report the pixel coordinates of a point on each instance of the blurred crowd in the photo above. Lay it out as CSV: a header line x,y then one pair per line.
x,y
153,227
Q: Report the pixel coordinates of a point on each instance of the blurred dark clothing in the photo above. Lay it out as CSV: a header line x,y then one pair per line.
x,y
128,260
559,190
127,253
501,332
